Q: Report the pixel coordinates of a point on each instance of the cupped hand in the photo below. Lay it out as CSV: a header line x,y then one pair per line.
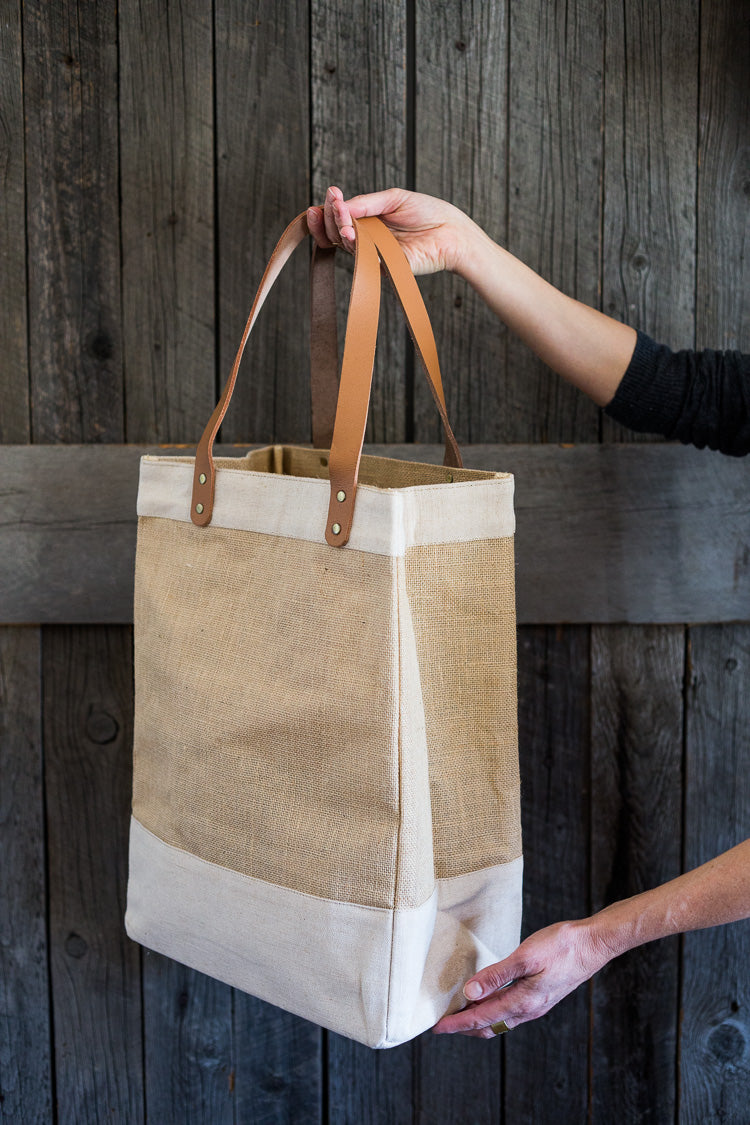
x,y
537,975
432,233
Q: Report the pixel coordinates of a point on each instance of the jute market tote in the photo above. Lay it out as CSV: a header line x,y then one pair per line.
x,y
326,794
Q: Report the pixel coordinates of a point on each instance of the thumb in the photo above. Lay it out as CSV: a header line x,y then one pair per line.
x,y
494,977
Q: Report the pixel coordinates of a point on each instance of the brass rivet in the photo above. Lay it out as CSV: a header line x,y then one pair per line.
x,y
199,509
336,529
341,497
202,478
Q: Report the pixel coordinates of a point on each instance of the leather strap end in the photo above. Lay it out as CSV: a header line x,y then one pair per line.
x,y
204,478
340,513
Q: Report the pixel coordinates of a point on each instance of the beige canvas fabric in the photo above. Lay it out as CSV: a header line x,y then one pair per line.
x,y
337,724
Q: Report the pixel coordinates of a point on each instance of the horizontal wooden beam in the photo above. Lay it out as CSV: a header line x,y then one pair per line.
x,y
633,533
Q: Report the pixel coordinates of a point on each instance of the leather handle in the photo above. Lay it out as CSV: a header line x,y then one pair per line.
x,y
354,389
204,475
418,320
373,241
324,384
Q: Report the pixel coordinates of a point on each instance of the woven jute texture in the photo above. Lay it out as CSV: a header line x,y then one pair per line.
x,y
268,718
461,597
337,722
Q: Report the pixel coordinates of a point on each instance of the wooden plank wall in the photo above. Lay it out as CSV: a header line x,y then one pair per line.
x,y
151,153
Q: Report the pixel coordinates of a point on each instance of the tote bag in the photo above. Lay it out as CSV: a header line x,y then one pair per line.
x,y
326,793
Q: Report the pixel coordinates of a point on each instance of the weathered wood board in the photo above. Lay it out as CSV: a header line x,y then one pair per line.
x,y
636,833
73,221
715,995
167,210
26,1081
604,533
262,90
95,971
555,163
554,678
14,380
650,173
460,154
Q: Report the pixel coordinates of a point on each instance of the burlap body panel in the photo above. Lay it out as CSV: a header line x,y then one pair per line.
x,y
290,696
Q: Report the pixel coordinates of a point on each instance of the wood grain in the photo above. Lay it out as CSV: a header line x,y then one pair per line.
x,y
651,160
279,1067
457,1078
604,533
369,1087
358,76
167,210
187,1039
555,162
70,95
96,979
723,269
14,370
460,155
262,91
25,1047
554,749
715,1000
637,778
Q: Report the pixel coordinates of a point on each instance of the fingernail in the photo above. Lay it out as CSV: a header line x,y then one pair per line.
x,y
472,990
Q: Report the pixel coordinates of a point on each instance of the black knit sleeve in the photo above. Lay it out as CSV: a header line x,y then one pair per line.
x,y
699,398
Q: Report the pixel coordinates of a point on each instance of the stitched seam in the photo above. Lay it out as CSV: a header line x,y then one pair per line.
x,y
396,570
266,882
458,486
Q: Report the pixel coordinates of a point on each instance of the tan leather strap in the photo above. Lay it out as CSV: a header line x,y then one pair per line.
x,y
204,475
359,355
202,504
324,344
407,291
354,389
356,372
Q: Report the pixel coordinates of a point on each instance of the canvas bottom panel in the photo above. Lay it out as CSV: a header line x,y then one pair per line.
x,y
376,975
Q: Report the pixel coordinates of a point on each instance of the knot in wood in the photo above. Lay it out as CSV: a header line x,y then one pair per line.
x,y
727,1043
101,727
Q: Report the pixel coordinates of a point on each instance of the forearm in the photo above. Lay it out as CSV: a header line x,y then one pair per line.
x,y
715,893
587,348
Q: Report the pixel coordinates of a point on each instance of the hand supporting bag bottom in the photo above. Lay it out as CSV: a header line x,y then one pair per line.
x,y
326,796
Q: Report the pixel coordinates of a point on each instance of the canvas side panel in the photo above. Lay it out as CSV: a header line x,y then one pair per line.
x,y
415,876
462,602
266,732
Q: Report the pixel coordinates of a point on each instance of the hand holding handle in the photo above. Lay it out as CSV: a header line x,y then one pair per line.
x,y
372,239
